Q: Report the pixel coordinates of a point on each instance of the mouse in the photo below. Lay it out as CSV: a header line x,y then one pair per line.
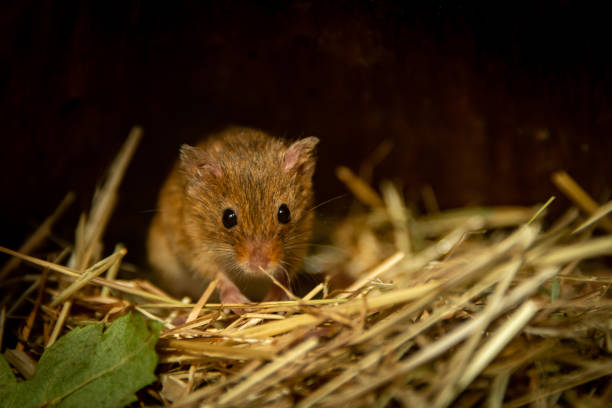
x,y
233,206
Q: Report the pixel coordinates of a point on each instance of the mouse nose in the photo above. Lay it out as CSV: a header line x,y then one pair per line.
x,y
259,256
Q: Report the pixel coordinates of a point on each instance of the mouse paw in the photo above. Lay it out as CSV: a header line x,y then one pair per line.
x,y
231,294
234,296
276,294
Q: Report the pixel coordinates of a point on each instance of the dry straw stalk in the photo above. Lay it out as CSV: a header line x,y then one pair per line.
x,y
495,306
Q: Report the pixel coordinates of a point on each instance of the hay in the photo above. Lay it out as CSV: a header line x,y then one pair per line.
x,y
470,307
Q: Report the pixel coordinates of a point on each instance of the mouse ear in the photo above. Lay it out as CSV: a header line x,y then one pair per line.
x,y
300,156
195,162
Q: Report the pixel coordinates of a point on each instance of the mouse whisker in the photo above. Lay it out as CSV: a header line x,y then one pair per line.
x,y
327,202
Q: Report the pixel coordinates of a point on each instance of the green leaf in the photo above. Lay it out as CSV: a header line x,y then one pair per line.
x,y
6,374
89,367
7,379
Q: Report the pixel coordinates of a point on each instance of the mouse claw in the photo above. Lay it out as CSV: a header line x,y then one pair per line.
x,y
237,311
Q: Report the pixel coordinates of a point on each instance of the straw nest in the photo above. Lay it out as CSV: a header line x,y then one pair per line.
x,y
472,307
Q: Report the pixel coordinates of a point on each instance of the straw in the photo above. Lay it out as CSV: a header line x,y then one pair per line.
x,y
478,306
39,235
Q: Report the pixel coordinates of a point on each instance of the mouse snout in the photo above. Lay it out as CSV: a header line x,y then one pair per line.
x,y
259,255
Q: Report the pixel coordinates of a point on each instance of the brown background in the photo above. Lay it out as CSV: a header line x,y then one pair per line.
x,y
481,102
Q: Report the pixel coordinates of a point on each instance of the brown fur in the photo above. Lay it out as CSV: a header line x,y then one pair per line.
x,y
253,174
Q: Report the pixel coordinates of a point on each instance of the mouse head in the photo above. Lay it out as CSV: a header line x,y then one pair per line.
x,y
249,201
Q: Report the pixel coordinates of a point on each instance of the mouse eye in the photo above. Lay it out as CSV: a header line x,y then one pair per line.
x,y
230,219
284,216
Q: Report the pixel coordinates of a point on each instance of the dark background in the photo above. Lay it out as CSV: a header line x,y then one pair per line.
x,y
482,102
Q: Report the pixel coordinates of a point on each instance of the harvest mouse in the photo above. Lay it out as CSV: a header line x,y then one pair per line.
x,y
236,203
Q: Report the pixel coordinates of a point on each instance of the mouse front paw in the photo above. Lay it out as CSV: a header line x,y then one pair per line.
x,y
233,296
230,294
